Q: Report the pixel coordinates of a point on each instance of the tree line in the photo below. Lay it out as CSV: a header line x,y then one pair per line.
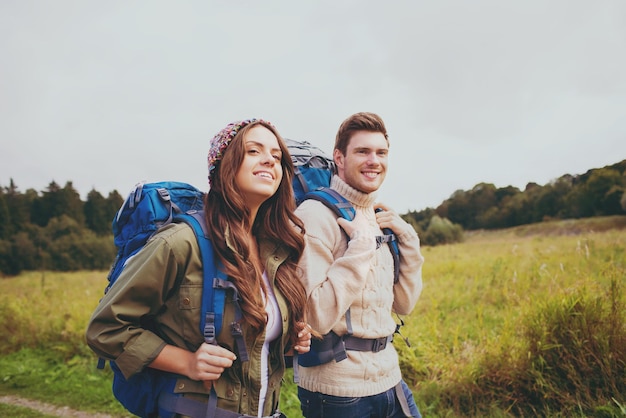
x,y
56,230
598,192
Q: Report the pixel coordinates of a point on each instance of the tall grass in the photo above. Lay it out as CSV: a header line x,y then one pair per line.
x,y
522,322
44,356
520,325
48,310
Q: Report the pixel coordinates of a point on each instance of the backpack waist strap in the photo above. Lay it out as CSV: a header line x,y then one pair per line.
x,y
366,344
196,409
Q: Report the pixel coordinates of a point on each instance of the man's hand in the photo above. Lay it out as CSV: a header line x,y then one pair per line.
x,y
358,225
387,218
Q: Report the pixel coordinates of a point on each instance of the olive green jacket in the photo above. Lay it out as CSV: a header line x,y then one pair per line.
x,y
157,301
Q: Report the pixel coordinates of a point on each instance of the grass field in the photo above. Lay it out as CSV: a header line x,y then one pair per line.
x,y
521,322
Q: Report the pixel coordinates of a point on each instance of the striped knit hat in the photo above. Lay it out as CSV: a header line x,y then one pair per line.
x,y
223,138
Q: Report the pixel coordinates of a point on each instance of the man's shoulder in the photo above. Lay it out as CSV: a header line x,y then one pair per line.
x,y
311,210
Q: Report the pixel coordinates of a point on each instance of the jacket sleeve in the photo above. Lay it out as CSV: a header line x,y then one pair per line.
x,y
407,290
332,280
116,329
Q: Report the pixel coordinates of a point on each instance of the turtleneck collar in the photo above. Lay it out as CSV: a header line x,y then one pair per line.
x,y
357,198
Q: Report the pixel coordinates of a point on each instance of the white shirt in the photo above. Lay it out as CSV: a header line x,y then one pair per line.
x,y
273,330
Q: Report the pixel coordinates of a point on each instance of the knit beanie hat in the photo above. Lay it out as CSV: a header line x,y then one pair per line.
x,y
223,138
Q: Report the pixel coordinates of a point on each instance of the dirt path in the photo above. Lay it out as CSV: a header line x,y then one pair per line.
x,y
45,408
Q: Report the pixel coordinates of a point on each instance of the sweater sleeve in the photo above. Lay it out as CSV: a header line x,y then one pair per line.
x,y
407,290
332,280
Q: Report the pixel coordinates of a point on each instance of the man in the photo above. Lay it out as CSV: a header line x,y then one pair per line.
x,y
350,285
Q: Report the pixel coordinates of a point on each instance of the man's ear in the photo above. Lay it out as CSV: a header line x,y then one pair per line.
x,y
338,157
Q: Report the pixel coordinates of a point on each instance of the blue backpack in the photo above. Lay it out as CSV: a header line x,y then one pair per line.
x,y
148,208
313,171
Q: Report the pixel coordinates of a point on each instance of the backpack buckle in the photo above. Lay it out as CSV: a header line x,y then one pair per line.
x,y
379,344
209,328
235,329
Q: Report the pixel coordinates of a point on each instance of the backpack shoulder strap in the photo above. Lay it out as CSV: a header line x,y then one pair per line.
x,y
343,208
210,322
334,201
327,349
215,286
390,239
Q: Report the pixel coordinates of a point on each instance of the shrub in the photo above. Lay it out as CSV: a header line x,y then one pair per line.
x,y
442,231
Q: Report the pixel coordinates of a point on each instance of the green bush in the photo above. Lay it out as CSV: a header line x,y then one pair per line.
x,y
441,231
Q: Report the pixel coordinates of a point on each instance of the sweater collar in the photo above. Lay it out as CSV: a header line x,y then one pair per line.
x,y
357,198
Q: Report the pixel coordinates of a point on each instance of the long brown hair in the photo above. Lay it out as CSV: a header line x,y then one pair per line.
x,y
226,210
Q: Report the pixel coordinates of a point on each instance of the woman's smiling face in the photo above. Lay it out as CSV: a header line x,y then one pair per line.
x,y
261,171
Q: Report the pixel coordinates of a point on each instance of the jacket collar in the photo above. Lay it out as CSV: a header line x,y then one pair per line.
x,y
272,253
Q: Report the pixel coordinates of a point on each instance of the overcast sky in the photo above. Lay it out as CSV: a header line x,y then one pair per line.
x,y
108,93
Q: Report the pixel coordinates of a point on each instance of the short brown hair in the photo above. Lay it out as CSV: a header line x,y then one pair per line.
x,y
362,121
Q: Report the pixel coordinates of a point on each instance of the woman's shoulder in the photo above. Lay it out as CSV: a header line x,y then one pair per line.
x,y
177,239
178,232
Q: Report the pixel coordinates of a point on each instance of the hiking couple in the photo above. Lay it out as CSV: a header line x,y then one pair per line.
x,y
300,273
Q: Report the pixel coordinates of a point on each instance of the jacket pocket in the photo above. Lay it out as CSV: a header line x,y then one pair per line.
x,y
189,306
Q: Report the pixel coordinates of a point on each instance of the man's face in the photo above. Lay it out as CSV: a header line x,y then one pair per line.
x,y
364,166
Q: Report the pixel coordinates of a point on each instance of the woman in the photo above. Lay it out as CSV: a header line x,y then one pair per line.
x,y
143,321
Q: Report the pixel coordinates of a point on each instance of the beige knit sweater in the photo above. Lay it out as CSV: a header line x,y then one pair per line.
x,y
339,275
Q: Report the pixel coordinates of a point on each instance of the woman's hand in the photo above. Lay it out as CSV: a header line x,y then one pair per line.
x,y
209,362
303,343
206,364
